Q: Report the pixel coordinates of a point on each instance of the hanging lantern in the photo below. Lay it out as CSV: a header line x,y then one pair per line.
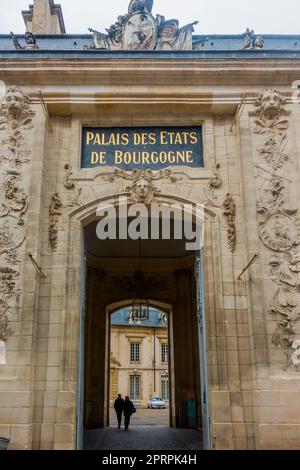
x,y
140,310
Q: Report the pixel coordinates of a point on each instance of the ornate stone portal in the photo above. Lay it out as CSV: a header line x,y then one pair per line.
x,y
140,30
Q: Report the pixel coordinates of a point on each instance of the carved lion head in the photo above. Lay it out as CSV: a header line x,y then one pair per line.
x,y
270,103
15,104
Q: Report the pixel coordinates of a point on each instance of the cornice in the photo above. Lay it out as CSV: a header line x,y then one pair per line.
x,y
168,72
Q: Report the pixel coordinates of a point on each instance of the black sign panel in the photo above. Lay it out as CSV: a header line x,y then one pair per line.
x,y
132,148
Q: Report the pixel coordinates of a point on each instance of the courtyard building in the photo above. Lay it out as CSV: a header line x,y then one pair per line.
x,y
139,357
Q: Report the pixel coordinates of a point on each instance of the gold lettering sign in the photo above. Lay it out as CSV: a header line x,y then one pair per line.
x,y
137,148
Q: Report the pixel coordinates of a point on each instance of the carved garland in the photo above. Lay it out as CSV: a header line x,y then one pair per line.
x,y
229,211
15,118
279,226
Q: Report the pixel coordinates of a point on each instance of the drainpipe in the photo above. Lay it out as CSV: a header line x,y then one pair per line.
x,y
154,362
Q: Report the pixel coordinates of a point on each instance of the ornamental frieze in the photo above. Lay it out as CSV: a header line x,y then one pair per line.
x,y
284,271
16,117
279,224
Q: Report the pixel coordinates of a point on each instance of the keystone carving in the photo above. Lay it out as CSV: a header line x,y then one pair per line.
x,y
142,188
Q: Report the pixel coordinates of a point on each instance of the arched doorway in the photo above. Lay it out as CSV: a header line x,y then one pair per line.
x,y
168,274
141,362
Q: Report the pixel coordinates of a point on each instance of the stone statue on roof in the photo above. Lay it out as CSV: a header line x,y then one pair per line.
x,y
139,30
140,5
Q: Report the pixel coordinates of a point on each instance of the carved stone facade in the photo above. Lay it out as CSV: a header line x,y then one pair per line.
x,y
249,184
279,225
15,118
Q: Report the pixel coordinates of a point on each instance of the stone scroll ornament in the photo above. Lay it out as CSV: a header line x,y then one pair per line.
x,y
15,119
279,224
57,206
140,30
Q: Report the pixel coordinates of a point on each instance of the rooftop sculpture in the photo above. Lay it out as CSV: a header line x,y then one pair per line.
x,y
140,30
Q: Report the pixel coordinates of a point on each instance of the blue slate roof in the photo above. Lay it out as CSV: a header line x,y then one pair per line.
x,y
121,318
213,46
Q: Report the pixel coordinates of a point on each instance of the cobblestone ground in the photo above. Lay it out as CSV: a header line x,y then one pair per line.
x,y
148,431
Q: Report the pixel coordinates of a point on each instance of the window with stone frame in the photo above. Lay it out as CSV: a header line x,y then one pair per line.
x,y
164,353
135,387
165,387
135,352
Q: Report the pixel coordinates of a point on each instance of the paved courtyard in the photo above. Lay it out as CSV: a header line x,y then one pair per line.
x,y
148,431
144,417
142,438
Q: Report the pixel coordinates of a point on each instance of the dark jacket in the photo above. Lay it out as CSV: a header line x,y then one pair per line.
x,y
128,408
119,405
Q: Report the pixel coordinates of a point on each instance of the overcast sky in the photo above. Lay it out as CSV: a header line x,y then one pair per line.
x,y
215,16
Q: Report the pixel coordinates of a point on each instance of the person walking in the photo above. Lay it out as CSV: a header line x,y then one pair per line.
x,y
128,410
119,407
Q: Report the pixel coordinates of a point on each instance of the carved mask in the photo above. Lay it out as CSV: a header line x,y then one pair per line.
x,y
143,190
15,103
271,102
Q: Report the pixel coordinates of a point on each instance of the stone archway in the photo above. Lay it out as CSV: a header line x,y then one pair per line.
x,y
72,341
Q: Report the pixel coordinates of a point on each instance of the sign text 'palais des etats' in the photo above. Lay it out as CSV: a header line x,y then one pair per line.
x,y
137,148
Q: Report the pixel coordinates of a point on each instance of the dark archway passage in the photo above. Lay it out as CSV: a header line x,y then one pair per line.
x,y
169,283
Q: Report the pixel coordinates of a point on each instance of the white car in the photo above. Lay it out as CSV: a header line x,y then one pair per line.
x,y
156,402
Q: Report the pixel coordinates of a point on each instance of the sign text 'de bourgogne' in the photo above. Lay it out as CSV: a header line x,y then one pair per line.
x,y
133,148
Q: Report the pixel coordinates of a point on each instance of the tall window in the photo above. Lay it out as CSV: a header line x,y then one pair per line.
x,y
135,352
164,353
135,387
165,388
